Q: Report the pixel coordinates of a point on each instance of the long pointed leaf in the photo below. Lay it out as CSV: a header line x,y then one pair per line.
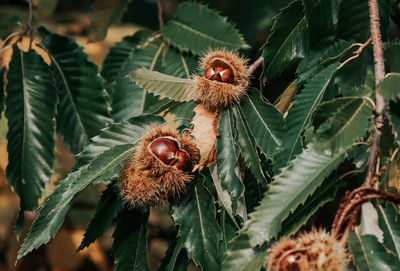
x,y
300,114
197,28
290,189
289,41
82,111
198,227
369,254
388,222
346,125
264,121
106,210
227,158
165,85
30,110
130,241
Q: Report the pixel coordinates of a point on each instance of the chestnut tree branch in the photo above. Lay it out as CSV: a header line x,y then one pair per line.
x,y
379,101
29,25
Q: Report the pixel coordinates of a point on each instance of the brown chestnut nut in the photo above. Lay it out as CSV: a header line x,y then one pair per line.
x,y
181,161
219,74
164,149
292,262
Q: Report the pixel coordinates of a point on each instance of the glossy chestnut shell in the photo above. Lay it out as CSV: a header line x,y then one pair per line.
x,y
168,152
220,74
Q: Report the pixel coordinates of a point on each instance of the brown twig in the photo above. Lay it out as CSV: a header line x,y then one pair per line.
x,y
379,101
29,25
160,17
252,68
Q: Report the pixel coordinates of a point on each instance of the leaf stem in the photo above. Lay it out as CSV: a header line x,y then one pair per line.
x,y
252,68
160,17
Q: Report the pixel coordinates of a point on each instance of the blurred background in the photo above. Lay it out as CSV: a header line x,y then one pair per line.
x,y
72,18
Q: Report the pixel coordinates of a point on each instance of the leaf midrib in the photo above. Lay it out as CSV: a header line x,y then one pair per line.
x,y
344,126
201,33
316,101
262,120
284,42
201,219
68,90
389,229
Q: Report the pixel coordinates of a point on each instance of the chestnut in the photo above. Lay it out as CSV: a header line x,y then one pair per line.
x,y
167,151
181,161
164,149
219,74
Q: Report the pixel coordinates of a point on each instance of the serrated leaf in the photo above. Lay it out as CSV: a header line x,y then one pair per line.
x,y
369,254
291,188
130,240
121,54
300,113
242,257
264,121
289,41
347,124
30,109
106,210
247,145
105,13
388,222
391,53
82,110
165,85
196,28
389,87
99,162
198,227
227,158
324,194
357,27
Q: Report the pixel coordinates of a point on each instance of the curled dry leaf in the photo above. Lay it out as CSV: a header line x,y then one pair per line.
x,y
205,135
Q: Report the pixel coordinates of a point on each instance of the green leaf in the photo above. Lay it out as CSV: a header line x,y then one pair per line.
x,y
353,19
99,162
369,254
105,13
349,122
130,241
247,145
165,85
106,210
389,87
300,114
242,257
120,57
289,41
391,53
324,194
264,121
196,28
30,110
82,110
291,188
388,222
198,227
227,158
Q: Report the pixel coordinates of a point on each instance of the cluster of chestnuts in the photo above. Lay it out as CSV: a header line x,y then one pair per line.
x,y
312,251
161,167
